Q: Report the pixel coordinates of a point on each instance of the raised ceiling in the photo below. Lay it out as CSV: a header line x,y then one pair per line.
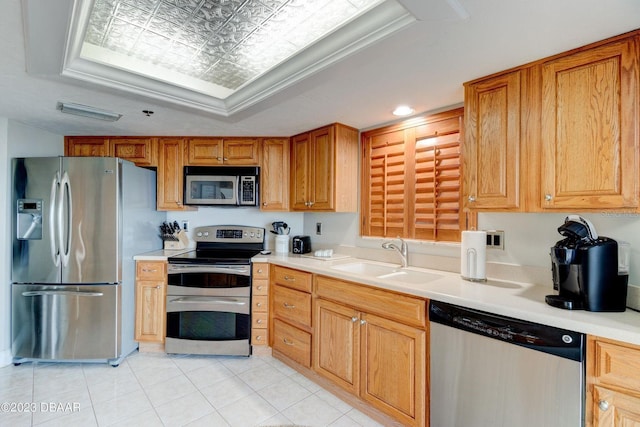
x,y
423,64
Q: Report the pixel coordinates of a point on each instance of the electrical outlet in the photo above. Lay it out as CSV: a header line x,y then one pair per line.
x,y
318,228
495,239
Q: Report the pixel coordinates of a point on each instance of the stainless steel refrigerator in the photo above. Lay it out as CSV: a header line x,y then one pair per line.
x,y
77,223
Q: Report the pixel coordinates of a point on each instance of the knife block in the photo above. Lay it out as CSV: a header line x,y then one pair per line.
x,y
181,242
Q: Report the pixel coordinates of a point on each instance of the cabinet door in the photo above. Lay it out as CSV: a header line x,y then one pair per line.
x,y
274,175
615,409
150,311
86,146
336,344
589,132
204,151
492,143
393,368
170,174
241,151
322,190
301,171
137,150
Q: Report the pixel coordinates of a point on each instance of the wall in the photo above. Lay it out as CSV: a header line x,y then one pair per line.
x,y
16,140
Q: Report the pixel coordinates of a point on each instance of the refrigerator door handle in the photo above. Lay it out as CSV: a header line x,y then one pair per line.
x,y
61,293
65,221
53,220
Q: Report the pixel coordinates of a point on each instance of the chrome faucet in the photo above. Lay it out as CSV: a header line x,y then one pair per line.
x,y
403,250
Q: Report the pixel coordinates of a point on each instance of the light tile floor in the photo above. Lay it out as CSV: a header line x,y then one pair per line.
x,y
150,389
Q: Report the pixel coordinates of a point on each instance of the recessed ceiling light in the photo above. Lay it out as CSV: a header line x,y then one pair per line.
x,y
86,111
402,110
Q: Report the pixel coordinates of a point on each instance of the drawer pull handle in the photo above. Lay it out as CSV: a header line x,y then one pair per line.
x,y
289,306
146,270
287,342
603,405
289,278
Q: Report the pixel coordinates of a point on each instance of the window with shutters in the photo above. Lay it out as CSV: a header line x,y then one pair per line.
x,y
411,179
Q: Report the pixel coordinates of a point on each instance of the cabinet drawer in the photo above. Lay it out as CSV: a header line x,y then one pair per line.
x,y
151,270
259,320
260,304
260,287
617,365
259,337
295,279
403,308
292,342
292,305
260,270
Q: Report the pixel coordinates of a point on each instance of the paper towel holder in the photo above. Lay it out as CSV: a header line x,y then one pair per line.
x,y
471,260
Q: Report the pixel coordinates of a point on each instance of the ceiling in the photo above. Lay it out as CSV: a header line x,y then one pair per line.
x,y
423,64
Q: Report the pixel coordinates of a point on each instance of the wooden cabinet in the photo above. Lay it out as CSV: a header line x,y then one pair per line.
x,y
492,143
590,140
291,314
613,383
324,169
139,150
260,306
223,151
151,291
561,133
373,343
274,175
170,174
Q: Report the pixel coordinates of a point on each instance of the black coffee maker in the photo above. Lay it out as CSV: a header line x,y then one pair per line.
x,y
589,273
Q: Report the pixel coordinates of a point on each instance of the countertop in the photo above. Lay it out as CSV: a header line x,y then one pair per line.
x,y
514,299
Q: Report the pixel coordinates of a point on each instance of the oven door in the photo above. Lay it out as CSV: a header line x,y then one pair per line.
x,y
203,324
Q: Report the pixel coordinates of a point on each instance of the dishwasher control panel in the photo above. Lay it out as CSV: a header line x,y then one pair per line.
x,y
532,335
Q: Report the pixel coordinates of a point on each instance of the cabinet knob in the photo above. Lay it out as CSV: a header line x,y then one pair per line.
x,y
289,306
219,159
354,319
259,270
259,288
289,278
225,158
258,337
287,342
311,203
603,405
471,199
259,321
158,287
264,203
259,304
363,322
548,197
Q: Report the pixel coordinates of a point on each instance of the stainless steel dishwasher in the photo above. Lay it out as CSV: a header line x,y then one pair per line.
x,y
489,371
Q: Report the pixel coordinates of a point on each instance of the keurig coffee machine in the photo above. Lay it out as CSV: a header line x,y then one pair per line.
x,y
590,272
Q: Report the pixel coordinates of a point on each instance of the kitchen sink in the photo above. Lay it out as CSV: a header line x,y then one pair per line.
x,y
390,272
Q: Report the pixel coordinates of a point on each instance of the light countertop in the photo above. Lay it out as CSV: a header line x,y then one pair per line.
x,y
519,300
514,299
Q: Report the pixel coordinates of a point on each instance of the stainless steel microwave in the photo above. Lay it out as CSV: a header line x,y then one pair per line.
x,y
221,185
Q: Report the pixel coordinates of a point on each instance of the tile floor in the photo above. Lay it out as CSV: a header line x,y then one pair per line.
x,y
150,389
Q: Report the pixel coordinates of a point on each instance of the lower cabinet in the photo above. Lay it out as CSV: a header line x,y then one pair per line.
x,y
379,359
151,291
613,383
291,314
260,306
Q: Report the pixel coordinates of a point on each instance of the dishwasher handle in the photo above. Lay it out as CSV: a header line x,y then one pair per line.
x,y
548,339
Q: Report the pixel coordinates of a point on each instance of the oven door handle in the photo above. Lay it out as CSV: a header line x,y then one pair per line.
x,y
241,270
201,299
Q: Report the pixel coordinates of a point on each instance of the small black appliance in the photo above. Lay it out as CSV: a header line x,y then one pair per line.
x,y
301,244
590,272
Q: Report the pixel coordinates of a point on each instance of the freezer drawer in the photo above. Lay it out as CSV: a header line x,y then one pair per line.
x,y
66,322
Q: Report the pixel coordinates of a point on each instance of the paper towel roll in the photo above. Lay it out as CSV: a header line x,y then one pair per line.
x,y
473,256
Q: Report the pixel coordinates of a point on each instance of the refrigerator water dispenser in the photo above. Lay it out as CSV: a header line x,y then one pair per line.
x,y
29,219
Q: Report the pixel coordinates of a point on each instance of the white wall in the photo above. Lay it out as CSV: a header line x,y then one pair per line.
x,y
16,140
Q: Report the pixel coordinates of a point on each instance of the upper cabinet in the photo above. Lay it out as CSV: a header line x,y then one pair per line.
x,y
223,151
170,174
590,128
492,143
560,134
324,169
274,175
139,150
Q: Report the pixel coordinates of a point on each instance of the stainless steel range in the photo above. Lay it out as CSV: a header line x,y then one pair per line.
x,y
209,292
